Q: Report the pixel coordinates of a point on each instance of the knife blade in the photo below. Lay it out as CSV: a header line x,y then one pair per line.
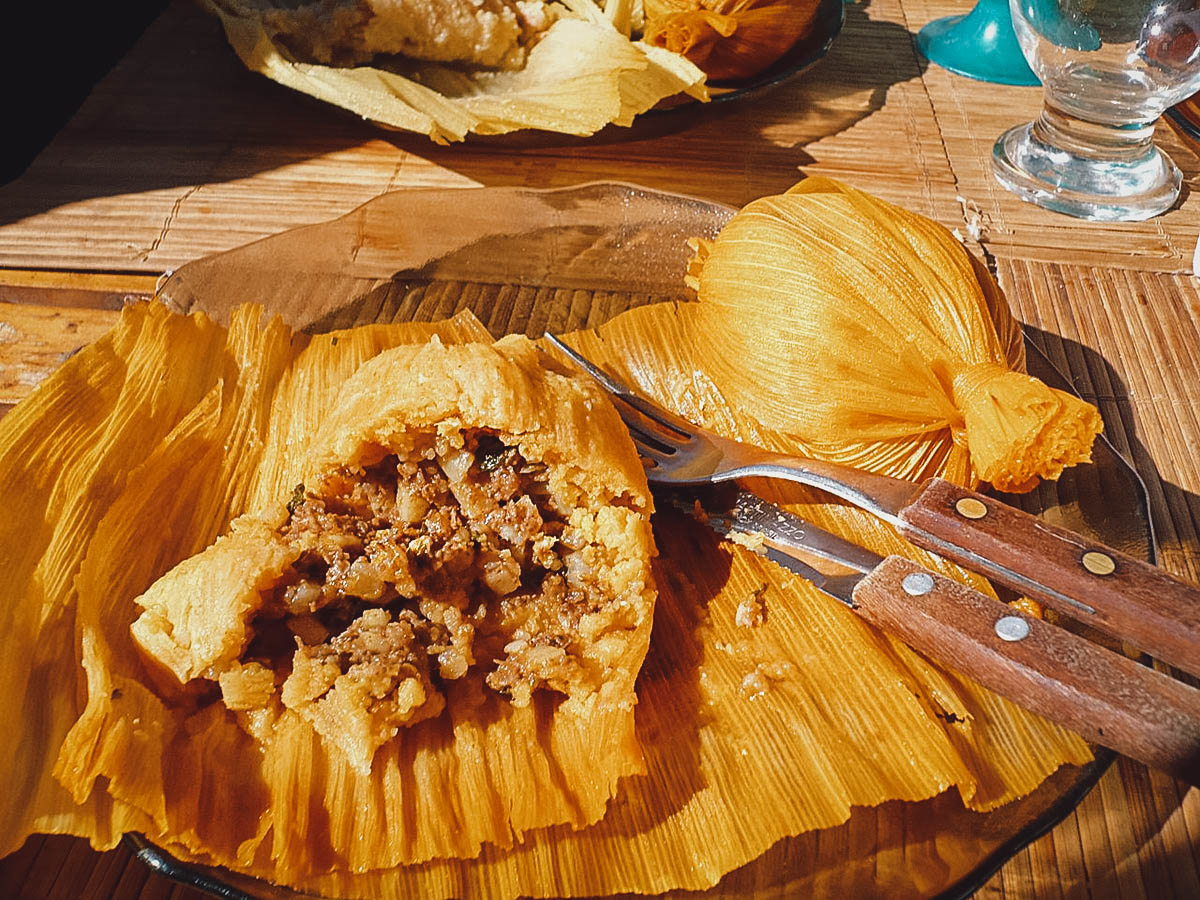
x,y
1106,697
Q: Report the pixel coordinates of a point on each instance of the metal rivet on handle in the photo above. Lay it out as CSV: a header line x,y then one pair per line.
x,y
970,508
917,584
1012,628
1099,563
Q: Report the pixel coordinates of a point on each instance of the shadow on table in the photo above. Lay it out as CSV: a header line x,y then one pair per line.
x,y
1146,806
1174,511
180,110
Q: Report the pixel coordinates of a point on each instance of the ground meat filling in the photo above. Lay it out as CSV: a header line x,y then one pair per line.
x,y
418,568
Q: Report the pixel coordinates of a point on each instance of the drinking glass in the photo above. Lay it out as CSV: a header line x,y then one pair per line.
x,y
1109,68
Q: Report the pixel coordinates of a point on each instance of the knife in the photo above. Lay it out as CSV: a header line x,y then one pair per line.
x,y
1098,586
1102,695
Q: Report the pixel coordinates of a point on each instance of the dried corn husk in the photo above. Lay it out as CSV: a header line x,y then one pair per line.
x,y
187,778
877,338
729,39
583,74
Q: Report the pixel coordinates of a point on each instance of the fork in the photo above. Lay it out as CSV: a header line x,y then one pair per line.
x,y
1095,584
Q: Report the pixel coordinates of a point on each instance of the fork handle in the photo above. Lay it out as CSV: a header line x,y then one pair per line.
x,y
1107,698
1101,587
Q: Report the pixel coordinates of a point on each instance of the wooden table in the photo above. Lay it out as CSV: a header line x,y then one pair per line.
x,y
179,152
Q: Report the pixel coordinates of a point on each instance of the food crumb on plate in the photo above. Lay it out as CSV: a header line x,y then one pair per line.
x,y
752,611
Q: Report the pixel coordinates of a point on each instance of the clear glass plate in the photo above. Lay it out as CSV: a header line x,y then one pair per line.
x,y
532,261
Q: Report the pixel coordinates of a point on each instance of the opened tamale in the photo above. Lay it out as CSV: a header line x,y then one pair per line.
x,y
484,770
463,508
471,67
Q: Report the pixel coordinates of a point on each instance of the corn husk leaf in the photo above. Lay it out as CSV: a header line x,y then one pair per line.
x,y
729,39
583,74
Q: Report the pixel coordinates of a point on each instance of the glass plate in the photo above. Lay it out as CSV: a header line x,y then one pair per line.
x,y
532,261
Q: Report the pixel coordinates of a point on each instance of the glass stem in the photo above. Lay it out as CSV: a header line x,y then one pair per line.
x,y
1125,143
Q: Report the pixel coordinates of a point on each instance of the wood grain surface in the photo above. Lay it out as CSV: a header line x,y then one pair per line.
x,y
179,152
1129,598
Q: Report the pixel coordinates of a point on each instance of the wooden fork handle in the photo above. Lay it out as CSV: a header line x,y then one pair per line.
x,y
1101,587
1107,698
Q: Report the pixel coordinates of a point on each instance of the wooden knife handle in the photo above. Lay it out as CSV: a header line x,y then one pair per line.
x,y
1101,587
1107,698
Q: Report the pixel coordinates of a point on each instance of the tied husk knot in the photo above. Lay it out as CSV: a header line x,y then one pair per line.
x,y
1017,429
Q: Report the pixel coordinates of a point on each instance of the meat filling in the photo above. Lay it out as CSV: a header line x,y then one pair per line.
x,y
415,569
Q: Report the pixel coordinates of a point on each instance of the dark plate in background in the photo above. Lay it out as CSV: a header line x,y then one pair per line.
x,y
805,53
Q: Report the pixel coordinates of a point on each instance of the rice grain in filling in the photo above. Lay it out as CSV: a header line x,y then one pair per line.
x,y
437,537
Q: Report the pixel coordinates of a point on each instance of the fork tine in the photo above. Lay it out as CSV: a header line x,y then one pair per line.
x,y
609,383
647,408
639,423
660,415
650,451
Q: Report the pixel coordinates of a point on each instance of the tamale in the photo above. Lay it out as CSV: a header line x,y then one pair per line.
x,y
878,339
464,507
575,72
485,771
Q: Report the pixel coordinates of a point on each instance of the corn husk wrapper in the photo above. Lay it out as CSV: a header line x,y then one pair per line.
x,y
210,435
729,39
877,340
583,74
171,426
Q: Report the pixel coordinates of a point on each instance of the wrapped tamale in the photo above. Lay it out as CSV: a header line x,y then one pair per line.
x,y
879,341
